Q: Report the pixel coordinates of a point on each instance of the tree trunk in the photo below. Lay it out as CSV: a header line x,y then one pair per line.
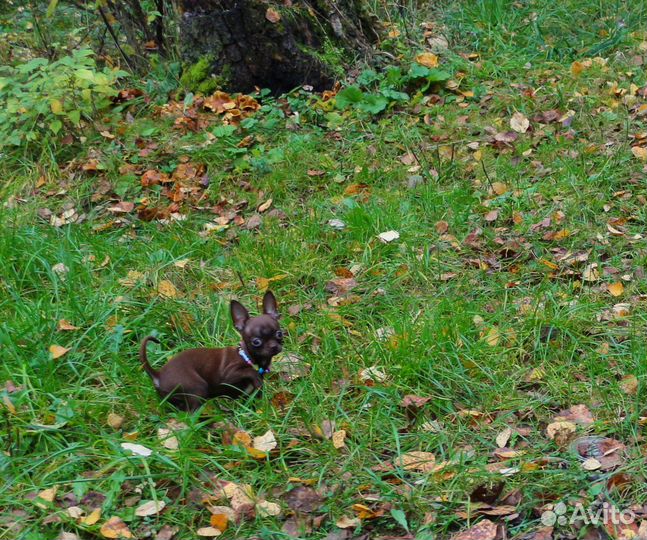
x,y
252,43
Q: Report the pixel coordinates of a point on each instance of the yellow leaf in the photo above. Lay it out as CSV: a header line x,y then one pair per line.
x,y
57,106
639,152
92,517
561,427
47,495
57,351
115,528
263,207
616,289
429,60
266,442
577,68
492,337
166,289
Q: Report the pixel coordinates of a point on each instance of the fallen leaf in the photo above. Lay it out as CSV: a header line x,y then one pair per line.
x,y
150,508
57,351
64,325
441,227
499,188
265,206
219,521
483,530
560,431
131,279
92,517
208,531
372,373
115,528
265,508
337,224
346,522
115,421
427,59
591,464
388,236
629,384
503,437
491,216
578,414
265,443
137,449
590,272
519,122
303,499
639,152
169,440
616,289
416,461
339,438
166,289
48,495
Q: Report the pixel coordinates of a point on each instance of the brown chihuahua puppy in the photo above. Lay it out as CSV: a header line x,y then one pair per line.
x,y
199,374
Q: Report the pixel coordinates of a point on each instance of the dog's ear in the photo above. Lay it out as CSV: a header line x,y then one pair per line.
x,y
239,315
269,305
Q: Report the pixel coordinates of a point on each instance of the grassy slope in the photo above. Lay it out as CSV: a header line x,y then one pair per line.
x,y
439,351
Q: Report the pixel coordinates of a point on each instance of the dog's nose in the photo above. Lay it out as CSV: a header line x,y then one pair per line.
x,y
276,349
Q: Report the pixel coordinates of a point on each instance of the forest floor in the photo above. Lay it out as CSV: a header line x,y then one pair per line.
x,y
461,279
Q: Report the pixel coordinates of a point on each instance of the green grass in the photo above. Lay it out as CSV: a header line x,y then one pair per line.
x,y
59,436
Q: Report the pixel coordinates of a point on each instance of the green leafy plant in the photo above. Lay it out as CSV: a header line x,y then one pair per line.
x,y
392,86
40,99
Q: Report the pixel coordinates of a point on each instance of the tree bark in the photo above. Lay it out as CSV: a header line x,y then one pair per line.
x,y
253,43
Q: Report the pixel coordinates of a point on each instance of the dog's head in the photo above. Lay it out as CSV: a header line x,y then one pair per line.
x,y
262,335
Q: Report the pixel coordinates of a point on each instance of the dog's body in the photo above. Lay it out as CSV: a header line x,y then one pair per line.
x,y
195,375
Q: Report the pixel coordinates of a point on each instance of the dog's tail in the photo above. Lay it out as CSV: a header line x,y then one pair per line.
x,y
144,360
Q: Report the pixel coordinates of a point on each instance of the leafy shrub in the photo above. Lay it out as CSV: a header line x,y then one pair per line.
x,y
39,98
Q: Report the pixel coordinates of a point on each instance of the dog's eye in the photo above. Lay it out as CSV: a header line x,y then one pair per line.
x,y
279,335
257,342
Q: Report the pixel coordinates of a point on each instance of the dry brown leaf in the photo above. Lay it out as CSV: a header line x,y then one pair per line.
x,y
64,325
560,430
416,461
150,508
166,289
339,438
265,206
499,188
629,384
346,522
265,508
208,531
519,122
503,437
115,528
578,414
57,351
265,442
115,421
639,152
483,530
